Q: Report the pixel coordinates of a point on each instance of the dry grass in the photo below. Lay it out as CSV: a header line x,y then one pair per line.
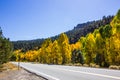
x,y
97,66
70,64
8,66
85,65
77,64
6,69
94,65
114,67
11,72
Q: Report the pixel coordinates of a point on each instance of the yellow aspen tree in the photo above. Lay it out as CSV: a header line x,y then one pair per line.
x,y
45,50
72,47
78,45
39,56
114,54
82,47
35,55
17,53
101,53
90,48
22,56
65,49
48,52
116,23
56,55
29,56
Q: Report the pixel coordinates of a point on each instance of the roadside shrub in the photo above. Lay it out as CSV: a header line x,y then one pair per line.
x,y
70,64
77,64
92,65
119,67
85,65
97,66
114,67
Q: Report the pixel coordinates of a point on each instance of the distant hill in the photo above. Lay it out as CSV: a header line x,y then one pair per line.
x,y
74,35
85,28
26,45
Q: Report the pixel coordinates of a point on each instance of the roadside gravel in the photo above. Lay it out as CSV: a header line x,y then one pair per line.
x,y
14,74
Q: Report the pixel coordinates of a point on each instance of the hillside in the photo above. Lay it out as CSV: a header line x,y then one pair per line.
x,y
98,48
74,35
85,28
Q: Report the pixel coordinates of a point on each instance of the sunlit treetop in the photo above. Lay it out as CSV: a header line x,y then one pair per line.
x,y
118,14
116,23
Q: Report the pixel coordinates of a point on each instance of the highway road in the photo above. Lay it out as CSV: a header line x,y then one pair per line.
x,y
60,72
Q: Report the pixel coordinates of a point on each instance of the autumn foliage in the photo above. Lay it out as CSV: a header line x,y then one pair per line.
x,y
102,47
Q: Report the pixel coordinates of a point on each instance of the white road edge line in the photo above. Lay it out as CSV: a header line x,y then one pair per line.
x,y
53,78
41,74
114,77
37,72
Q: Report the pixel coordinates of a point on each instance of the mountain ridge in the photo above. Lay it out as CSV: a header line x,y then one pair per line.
x,y
74,35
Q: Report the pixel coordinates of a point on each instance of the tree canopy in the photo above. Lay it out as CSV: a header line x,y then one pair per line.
x,y
5,48
101,46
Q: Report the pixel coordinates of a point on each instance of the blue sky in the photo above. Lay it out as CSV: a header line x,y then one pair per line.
x,y
32,19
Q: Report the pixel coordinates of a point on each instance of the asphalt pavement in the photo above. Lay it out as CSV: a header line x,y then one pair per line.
x,y
61,72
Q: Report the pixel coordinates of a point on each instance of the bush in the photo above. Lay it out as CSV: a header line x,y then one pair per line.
x,y
70,64
114,67
119,67
97,66
77,64
85,65
92,65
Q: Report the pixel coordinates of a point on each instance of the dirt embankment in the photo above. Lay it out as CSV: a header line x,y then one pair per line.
x,y
11,72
